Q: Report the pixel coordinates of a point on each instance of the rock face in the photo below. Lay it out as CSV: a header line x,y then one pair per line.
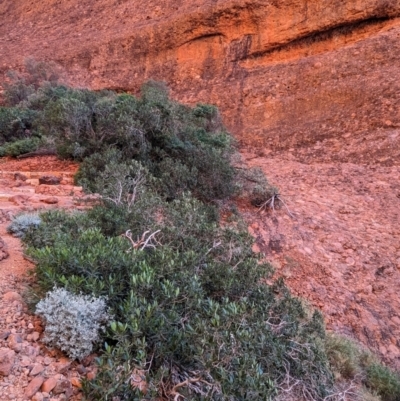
x,y
284,73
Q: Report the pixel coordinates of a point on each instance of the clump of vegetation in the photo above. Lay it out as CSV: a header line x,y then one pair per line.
x,y
186,149
16,123
73,322
351,362
383,381
23,224
20,147
188,304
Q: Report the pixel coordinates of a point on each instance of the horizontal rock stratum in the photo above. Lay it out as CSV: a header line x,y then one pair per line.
x,y
285,73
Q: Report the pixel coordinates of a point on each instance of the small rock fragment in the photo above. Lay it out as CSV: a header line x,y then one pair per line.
x,y
76,382
47,360
62,367
38,397
35,336
62,386
81,369
88,360
7,358
49,384
37,368
20,176
15,342
3,250
33,181
25,361
4,335
18,199
34,386
91,375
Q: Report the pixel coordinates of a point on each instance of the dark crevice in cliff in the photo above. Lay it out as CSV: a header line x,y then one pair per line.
x,y
338,31
204,37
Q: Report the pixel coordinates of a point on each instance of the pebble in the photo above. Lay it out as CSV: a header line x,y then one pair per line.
x,y
38,397
37,368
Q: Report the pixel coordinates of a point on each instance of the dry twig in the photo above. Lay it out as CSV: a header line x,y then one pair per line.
x,y
142,243
270,203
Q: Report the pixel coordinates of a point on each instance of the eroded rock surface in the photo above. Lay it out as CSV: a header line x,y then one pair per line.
x,y
284,73
341,249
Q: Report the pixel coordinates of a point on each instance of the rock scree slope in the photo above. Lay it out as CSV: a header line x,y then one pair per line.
x,y
29,371
339,246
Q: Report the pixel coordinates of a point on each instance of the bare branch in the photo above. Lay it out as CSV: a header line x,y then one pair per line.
x,y
270,203
143,242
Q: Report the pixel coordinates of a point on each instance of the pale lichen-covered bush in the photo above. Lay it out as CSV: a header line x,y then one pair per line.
x,y
22,223
73,322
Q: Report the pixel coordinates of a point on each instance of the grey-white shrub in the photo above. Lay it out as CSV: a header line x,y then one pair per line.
x,y
72,322
22,223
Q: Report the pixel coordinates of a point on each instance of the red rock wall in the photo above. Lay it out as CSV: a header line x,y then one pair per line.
x,y
284,72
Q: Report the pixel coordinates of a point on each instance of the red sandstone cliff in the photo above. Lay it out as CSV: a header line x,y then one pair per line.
x,y
284,73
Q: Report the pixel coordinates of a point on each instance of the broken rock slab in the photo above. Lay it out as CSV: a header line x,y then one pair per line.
x,y
7,358
34,386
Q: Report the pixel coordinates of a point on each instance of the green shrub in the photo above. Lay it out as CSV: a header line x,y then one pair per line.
x,y
384,381
345,356
349,361
186,148
255,185
16,123
18,91
190,305
21,86
20,147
